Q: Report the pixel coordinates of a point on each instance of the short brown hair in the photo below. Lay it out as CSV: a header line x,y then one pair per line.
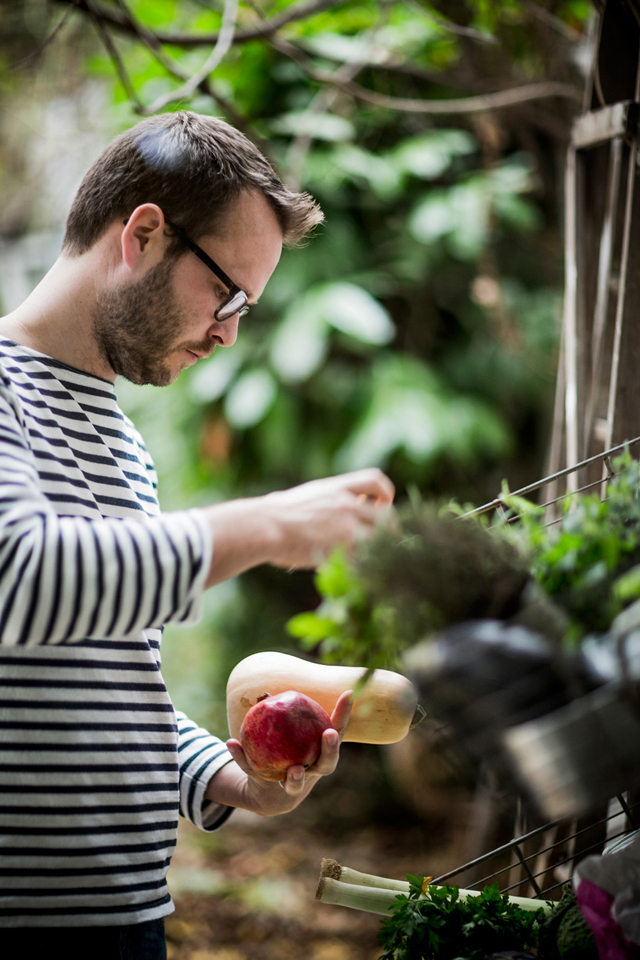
x,y
193,167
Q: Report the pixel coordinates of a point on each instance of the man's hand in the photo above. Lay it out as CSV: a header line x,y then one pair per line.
x,y
297,527
239,785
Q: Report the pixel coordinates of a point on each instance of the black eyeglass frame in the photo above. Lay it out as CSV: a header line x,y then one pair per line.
x,y
236,301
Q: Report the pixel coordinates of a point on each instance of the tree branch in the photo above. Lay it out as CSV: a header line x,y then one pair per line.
x,y
121,20
220,49
175,69
449,26
568,32
463,105
487,101
149,39
114,54
45,43
224,38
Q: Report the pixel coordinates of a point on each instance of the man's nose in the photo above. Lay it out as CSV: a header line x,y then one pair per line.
x,y
225,331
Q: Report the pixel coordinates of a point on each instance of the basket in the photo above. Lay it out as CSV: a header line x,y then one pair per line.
x,y
564,777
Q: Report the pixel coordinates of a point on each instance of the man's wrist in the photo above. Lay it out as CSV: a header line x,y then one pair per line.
x,y
232,787
228,786
245,534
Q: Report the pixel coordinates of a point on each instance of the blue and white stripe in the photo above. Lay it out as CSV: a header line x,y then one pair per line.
x,y
95,765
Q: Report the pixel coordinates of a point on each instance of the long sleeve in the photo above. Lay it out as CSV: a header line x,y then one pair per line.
x,y
200,756
65,578
89,572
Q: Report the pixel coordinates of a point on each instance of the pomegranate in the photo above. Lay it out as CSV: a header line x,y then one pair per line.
x,y
280,731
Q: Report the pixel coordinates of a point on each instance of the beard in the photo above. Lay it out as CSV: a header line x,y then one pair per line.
x,y
137,327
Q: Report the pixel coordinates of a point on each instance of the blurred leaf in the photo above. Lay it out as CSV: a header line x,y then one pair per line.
x,y
410,410
212,377
336,46
334,577
310,626
379,172
627,587
321,126
300,342
430,155
250,399
461,215
354,311
155,12
412,32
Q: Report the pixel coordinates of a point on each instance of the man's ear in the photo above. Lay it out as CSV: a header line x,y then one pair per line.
x,y
143,241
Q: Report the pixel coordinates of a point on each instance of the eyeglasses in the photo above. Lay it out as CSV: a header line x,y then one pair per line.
x,y
236,301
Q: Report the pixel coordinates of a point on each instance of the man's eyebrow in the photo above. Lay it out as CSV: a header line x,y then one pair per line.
x,y
250,299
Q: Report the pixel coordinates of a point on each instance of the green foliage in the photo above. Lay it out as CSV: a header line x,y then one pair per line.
x,y
429,569
465,215
424,571
439,925
589,562
410,409
346,627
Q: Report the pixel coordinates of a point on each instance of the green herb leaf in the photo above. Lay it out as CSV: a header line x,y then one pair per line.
x,y
439,925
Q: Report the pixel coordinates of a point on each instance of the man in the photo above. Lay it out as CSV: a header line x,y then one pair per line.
x,y
174,231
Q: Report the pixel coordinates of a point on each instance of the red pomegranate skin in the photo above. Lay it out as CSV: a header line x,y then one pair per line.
x,y
282,730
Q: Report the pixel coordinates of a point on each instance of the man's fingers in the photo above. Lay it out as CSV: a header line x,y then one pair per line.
x,y
296,780
342,712
329,755
293,783
373,483
332,737
367,518
367,512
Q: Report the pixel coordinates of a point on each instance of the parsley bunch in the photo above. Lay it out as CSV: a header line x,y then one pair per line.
x,y
589,564
442,926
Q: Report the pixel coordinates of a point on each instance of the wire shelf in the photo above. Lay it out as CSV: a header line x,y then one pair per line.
x,y
538,863
549,484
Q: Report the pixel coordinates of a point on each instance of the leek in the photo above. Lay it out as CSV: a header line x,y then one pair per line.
x,y
363,891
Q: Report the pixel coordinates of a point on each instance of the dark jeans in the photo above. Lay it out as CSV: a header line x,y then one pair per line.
x,y
140,941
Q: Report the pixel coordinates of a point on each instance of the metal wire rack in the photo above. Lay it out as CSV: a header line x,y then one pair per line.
x,y
538,862
548,486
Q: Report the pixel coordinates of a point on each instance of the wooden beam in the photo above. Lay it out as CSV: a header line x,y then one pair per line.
x,y
598,126
603,290
570,319
625,344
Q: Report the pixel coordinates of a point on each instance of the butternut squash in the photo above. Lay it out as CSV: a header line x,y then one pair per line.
x,y
382,711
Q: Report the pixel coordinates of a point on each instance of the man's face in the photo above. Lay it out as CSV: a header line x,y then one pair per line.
x,y
137,327
150,329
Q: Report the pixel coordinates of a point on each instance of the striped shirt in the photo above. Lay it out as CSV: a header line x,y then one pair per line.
x,y
95,764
